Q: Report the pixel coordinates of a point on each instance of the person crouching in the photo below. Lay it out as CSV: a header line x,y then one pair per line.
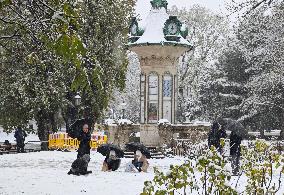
x,y
80,166
139,164
111,162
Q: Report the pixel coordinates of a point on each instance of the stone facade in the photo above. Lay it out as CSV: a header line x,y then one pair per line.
x,y
153,135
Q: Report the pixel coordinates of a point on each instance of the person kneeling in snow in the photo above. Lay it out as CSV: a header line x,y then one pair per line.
x,y
80,166
111,162
139,164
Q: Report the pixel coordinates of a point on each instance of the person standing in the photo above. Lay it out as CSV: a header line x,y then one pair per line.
x,y
20,136
235,151
214,136
84,138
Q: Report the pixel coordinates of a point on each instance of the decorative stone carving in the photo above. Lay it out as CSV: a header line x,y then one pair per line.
x,y
166,135
158,61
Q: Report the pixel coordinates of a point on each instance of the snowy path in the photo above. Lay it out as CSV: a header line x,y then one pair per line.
x,y
46,173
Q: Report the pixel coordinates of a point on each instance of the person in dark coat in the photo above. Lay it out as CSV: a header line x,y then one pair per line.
x,y
20,136
138,164
214,136
111,162
235,151
80,166
84,138
7,145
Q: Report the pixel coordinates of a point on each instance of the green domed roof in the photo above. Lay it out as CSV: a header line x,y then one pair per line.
x,y
159,4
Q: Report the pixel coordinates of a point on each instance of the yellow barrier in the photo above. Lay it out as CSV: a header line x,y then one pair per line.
x,y
62,141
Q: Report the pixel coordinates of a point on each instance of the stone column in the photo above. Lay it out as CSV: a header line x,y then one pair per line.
x,y
146,97
160,96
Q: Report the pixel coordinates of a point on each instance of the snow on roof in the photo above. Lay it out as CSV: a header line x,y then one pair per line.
x,y
154,25
163,121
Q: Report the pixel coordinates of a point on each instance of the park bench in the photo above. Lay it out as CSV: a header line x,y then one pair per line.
x,y
8,152
7,147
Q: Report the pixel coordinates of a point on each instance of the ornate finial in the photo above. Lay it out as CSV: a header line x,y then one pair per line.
x,y
159,4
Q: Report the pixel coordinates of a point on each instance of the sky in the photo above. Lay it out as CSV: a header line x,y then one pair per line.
x,y
143,6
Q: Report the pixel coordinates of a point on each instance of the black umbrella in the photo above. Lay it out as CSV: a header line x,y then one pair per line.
x,y
106,148
233,125
134,146
77,126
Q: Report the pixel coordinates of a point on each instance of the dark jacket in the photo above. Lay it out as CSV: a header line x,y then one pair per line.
x,y
137,164
235,144
20,135
80,166
215,135
84,147
112,164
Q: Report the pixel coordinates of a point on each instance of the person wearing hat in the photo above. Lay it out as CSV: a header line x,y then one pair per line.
x,y
111,162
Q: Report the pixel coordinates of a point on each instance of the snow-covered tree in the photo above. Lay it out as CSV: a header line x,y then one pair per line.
x,y
52,49
207,34
222,95
131,94
261,38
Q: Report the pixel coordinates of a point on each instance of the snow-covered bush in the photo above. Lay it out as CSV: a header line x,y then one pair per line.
x,y
261,163
206,175
109,121
261,170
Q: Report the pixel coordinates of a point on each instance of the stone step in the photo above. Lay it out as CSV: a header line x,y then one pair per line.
x,y
155,155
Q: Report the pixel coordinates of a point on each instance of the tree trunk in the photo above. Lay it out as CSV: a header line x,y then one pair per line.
x,y
44,124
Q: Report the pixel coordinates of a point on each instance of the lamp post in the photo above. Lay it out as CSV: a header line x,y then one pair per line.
x,y
123,106
77,100
77,103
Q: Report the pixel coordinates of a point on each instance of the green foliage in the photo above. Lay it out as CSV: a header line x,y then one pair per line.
x,y
49,50
4,3
261,164
209,174
206,175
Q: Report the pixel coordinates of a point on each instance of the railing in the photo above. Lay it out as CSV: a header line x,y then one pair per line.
x,y
185,147
61,141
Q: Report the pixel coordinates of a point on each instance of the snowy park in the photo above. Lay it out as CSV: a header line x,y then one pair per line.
x,y
142,97
46,173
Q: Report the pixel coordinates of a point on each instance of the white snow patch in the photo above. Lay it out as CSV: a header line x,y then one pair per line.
x,y
109,121
164,122
125,122
46,173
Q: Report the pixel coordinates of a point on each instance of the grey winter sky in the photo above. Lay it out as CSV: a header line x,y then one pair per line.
x,y
143,6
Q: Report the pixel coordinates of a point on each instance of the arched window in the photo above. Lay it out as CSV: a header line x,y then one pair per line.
x,y
153,99
167,96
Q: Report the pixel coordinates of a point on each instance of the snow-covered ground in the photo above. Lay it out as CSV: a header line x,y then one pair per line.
x,y
46,173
